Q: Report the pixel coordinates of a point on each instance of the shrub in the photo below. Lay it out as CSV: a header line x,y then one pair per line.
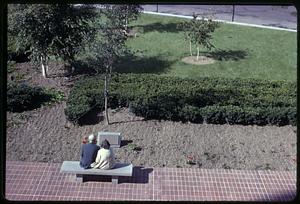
x,y
21,97
161,106
248,116
51,96
11,66
191,113
86,94
18,53
213,100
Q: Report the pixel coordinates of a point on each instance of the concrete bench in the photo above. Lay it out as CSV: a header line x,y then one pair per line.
x,y
114,138
120,169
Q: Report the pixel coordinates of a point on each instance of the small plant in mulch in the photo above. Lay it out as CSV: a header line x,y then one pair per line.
x,y
134,147
226,166
191,160
294,158
11,67
53,96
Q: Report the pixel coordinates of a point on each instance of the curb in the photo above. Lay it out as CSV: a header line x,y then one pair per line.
x,y
224,21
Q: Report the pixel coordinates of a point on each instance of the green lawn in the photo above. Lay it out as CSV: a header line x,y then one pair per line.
x,y
242,52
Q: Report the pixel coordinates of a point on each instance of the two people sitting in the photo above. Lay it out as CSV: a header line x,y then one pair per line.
x,y
93,156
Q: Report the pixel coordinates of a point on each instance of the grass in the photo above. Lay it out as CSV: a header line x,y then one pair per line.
x,y
242,52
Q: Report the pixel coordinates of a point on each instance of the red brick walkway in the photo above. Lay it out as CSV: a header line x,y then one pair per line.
x,y
43,181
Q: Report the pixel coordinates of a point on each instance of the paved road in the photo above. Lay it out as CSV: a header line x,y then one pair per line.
x,y
277,16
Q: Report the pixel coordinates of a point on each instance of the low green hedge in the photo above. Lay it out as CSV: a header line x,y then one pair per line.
x,y
213,100
22,97
248,116
85,94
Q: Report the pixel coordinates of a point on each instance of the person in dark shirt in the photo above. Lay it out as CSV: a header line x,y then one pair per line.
x,y
88,152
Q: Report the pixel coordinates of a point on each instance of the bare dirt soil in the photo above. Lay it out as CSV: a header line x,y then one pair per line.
x,y
202,60
43,135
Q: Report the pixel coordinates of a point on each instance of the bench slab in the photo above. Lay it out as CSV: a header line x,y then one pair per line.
x,y
120,169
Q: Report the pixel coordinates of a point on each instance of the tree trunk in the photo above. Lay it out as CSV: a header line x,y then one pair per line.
x,y
44,66
106,99
126,24
197,53
191,48
68,68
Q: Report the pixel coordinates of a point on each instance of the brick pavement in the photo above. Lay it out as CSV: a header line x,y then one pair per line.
x,y
43,181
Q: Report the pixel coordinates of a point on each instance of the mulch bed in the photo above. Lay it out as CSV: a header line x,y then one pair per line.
x,y
42,135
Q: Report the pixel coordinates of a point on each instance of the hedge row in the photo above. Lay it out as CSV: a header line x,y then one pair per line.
x,y
213,100
22,97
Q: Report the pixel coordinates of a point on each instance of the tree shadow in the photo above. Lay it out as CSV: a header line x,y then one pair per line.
x,y
134,64
139,175
54,75
285,195
85,67
125,142
19,57
129,63
92,117
226,55
130,121
159,27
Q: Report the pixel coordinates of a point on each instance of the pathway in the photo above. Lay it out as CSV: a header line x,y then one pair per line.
x,y
265,15
43,181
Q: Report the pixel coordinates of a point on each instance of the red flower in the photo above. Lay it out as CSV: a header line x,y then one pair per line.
x,y
190,157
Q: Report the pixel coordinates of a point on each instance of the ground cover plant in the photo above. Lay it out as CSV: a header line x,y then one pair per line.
x,y
22,96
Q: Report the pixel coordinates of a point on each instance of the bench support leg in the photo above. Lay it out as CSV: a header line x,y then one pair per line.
x,y
115,179
79,177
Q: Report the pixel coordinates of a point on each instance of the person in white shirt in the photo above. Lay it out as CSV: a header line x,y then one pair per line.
x,y
105,157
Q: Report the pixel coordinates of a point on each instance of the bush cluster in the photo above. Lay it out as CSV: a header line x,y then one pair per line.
x,y
211,100
85,94
23,97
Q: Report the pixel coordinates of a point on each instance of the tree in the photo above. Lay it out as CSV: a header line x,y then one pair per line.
x,y
14,47
52,29
198,31
110,47
127,13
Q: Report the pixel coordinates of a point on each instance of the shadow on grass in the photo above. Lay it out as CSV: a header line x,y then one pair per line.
x,y
134,64
226,55
160,27
129,63
139,175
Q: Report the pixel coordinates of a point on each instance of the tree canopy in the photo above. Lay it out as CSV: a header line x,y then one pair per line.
x,y
51,29
199,31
